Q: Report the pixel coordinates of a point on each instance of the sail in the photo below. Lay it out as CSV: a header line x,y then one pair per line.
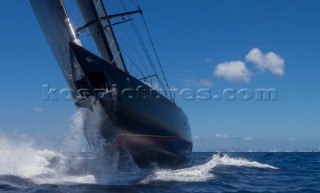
x,y
101,31
56,26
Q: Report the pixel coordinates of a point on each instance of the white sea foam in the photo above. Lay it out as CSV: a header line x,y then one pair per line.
x,y
201,173
50,167
20,158
240,162
74,140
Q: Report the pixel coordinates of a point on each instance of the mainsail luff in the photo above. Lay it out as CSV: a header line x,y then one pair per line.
x,y
56,25
101,31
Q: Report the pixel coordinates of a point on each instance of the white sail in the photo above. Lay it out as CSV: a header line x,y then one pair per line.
x,y
55,24
101,32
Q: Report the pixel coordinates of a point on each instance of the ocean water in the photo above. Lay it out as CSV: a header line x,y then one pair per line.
x,y
27,167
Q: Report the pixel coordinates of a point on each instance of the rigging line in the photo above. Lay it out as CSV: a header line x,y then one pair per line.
x,y
150,60
128,56
122,48
139,38
147,54
133,62
132,2
154,49
113,37
93,48
127,41
136,52
131,45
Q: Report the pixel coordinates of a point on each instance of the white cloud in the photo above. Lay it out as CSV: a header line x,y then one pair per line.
x,y
235,71
204,82
221,136
38,110
269,61
248,138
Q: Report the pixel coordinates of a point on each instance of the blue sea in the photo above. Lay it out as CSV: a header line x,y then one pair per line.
x,y
27,169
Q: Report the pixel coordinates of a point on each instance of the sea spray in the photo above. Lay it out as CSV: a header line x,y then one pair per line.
x,y
201,173
21,158
74,140
97,127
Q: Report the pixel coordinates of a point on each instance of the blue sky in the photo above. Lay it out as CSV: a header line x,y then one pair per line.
x,y
192,38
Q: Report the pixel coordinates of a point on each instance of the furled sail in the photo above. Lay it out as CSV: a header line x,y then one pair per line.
x,y
58,30
101,31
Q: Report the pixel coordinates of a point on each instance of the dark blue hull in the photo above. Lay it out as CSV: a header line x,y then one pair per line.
x,y
149,126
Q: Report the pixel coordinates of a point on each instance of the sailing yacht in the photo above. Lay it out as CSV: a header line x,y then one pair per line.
x,y
141,120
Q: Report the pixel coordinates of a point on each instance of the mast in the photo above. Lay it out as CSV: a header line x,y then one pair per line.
x,y
96,18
